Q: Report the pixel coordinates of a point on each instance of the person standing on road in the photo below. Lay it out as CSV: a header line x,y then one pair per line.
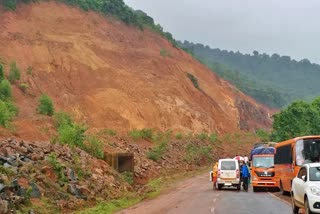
x,y
245,176
246,159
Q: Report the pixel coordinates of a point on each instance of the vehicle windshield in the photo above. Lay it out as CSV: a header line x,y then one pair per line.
x,y
228,165
307,151
263,161
314,173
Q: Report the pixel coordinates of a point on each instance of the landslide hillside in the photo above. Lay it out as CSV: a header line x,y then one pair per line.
x,y
109,74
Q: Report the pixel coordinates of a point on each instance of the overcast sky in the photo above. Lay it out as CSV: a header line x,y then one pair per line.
x,y
286,27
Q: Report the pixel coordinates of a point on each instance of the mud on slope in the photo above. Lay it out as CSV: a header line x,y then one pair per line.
x,y
112,75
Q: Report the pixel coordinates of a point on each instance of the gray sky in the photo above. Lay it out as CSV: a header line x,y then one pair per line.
x,y
286,27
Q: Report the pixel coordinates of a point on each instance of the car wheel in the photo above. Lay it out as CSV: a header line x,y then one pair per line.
x,y
255,189
219,186
307,207
295,209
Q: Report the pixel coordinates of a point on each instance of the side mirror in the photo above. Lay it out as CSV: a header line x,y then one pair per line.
x,y
304,178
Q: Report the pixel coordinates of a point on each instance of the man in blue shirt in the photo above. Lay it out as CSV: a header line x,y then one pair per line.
x,y
245,175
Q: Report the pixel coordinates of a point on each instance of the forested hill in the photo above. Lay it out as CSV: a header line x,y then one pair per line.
x,y
273,80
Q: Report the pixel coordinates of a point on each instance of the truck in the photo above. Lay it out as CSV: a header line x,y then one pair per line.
x,y
262,168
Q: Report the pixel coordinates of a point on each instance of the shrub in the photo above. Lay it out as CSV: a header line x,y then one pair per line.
x,y
1,72
45,105
213,138
163,52
14,73
145,134
62,118
194,81
196,153
5,90
7,112
94,147
57,166
202,136
72,135
24,87
179,136
127,177
157,152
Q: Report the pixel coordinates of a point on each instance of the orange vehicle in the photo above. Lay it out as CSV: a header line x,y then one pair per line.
x,y
262,168
291,155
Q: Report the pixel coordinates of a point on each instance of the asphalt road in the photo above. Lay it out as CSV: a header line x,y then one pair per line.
x,y
196,196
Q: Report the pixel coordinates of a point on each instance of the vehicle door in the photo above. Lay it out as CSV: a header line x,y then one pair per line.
x,y
299,185
228,170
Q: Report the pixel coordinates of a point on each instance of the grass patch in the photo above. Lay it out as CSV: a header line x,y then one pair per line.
x,y
109,132
145,134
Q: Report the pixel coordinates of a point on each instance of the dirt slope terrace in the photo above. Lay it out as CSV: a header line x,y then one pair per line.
x,y
108,74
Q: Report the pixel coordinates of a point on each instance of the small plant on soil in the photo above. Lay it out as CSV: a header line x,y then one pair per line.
x,y
179,136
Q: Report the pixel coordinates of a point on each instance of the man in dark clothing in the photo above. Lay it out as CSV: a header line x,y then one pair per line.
x,y
245,176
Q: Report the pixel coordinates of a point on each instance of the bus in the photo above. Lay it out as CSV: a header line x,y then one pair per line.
x,y
291,155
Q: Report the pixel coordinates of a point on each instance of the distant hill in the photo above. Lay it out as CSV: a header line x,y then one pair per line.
x,y
273,80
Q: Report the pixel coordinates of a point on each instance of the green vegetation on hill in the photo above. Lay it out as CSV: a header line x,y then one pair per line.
x,y
116,8
273,80
298,119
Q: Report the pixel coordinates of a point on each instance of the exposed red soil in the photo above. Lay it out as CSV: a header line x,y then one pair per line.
x,y
108,74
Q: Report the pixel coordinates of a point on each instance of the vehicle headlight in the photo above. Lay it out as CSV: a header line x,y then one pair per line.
x,y
315,190
254,178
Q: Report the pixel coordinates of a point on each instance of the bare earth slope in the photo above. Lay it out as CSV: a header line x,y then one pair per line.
x,y
112,75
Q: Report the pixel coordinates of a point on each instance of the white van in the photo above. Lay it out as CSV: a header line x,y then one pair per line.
x,y
228,173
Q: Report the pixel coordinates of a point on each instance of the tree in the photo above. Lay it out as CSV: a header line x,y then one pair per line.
x,y
299,119
14,73
45,105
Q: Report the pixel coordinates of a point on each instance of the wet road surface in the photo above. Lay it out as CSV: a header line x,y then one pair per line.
x,y
196,196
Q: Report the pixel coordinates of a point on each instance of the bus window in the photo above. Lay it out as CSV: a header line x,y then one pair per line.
x,y
307,151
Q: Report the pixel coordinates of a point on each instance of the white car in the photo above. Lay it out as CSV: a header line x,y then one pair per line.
x,y
305,192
